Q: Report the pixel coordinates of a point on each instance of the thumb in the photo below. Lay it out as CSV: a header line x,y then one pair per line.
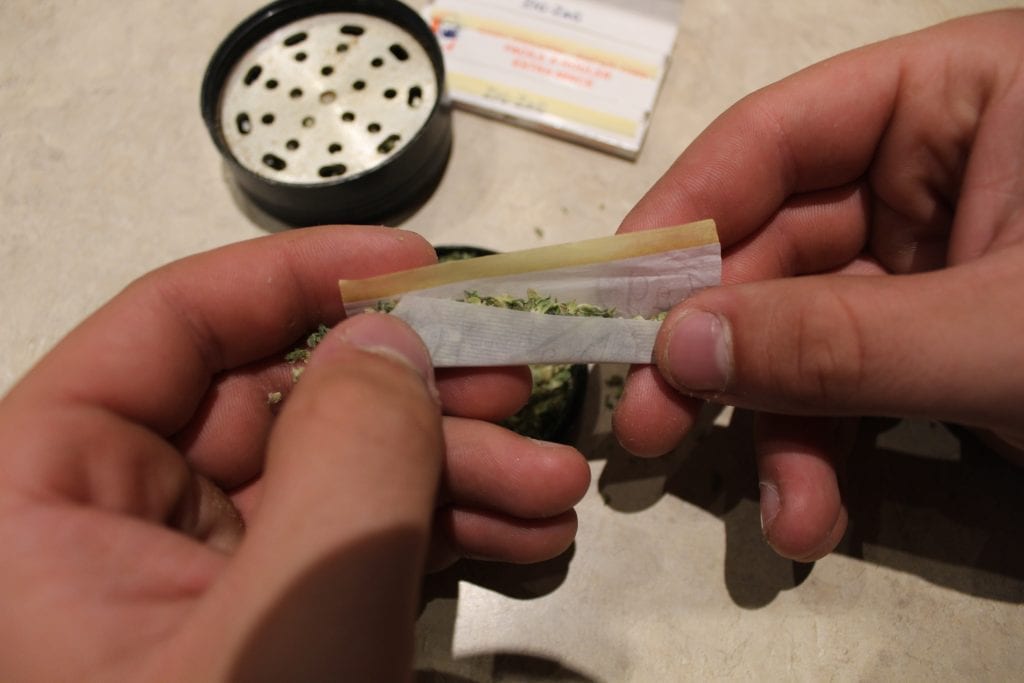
x,y
941,345
325,584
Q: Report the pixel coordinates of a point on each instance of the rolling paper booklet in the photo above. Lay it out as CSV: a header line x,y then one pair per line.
x,y
584,70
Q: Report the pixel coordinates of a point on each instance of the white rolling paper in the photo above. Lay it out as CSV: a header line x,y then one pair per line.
x,y
471,335
637,274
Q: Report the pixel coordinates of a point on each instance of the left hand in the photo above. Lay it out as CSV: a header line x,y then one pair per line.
x,y
136,453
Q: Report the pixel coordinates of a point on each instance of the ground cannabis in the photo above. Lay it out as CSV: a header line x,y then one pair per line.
x,y
535,303
532,303
540,418
457,255
614,386
298,358
544,413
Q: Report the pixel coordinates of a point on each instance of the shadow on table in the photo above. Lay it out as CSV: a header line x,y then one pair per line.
x,y
437,624
923,499
502,667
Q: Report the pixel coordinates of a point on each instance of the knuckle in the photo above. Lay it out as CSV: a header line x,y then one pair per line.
x,y
830,353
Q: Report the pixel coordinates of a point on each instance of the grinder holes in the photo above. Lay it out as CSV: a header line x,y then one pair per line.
x,y
332,170
252,75
309,110
400,53
275,162
415,97
244,123
389,143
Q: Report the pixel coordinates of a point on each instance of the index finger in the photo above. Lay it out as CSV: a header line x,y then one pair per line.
x,y
172,330
816,129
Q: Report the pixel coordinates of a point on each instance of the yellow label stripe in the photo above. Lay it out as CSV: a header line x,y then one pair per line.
x,y
576,49
620,125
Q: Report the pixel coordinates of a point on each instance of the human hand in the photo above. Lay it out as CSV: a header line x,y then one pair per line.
x,y
890,180
138,450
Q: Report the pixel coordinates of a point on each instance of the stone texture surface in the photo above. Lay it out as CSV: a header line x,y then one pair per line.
x,y
106,172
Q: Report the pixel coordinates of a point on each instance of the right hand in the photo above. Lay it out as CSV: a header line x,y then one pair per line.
x,y
871,211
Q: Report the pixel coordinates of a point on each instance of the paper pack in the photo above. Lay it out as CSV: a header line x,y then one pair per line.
x,y
585,70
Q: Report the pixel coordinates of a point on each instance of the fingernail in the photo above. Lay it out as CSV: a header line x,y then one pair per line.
x,y
698,355
382,335
770,505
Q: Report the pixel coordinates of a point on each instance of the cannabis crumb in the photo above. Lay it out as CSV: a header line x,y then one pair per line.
x,y
298,358
457,255
613,391
550,400
383,306
538,232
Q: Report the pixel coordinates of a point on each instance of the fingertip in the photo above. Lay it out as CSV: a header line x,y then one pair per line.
x,y
652,418
566,472
802,523
807,542
491,468
491,394
696,354
480,535
802,513
382,335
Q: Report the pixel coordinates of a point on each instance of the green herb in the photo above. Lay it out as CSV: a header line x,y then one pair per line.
x,y
543,414
302,354
535,303
298,358
457,255
613,391
554,386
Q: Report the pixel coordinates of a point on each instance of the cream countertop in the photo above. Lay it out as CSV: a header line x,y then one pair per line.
x,y
108,172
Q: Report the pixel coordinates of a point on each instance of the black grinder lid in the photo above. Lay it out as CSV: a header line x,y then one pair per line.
x,y
330,111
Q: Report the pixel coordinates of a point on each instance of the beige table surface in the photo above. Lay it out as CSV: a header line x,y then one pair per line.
x,y
106,171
